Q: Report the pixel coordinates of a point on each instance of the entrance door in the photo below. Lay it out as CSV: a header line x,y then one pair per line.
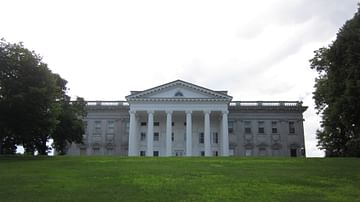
x,y
179,153
293,153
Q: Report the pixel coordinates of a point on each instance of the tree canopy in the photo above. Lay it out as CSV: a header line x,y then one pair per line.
x,y
31,100
337,91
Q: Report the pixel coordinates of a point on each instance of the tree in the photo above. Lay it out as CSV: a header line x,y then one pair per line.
x,y
27,94
337,91
70,128
31,100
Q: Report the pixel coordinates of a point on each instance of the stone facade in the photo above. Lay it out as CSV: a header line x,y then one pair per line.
x,y
184,119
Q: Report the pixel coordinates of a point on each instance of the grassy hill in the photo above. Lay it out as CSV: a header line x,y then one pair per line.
x,y
178,179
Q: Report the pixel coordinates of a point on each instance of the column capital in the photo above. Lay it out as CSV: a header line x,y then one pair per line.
x,y
168,112
150,111
207,111
224,112
188,111
132,111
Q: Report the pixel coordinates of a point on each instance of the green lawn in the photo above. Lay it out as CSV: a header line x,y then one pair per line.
x,y
178,179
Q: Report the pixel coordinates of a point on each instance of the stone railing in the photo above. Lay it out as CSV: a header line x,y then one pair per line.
x,y
107,103
266,103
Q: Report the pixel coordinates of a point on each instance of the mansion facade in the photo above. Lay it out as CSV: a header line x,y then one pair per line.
x,y
183,119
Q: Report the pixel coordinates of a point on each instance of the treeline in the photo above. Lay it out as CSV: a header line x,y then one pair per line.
x,y
34,105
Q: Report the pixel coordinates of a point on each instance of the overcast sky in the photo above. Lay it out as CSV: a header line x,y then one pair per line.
x,y
257,50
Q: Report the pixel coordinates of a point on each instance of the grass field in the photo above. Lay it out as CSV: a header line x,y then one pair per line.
x,y
178,179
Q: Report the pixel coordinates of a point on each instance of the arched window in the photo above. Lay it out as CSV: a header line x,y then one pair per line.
x,y
179,94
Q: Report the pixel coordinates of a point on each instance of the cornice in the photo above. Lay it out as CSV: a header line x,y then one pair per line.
x,y
179,100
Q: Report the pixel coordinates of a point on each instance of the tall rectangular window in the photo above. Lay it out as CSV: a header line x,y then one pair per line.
x,y
97,126
156,136
172,137
231,127
291,127
247,127
142,136
261,129
110,126
215,138
201,138
248,152
127,126
274,127
85,123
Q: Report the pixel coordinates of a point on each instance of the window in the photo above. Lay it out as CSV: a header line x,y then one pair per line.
x,y
248,152
273,127
202,153
156,136
201,138
143,123
262,151
109,151
142,136
184,123
179,94
293,152
291,127
142,153
127,126
82,151
96,151
231,127
215,138
156,153
156,123
172,123
172,137
97,126
247,127
276,152
111,126
261,129
85,123
215,153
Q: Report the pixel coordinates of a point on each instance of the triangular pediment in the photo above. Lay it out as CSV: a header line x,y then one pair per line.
x,y
179,90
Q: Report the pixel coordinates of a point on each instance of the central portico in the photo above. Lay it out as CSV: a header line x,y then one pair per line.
x,y
178,119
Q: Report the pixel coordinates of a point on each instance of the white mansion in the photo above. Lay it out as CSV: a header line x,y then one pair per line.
x,y
183,119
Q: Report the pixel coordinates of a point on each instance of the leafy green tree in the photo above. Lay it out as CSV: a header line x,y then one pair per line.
x,y
337,91
28,92
70,128
31,101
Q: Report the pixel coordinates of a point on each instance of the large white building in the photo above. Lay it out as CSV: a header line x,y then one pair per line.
x,y
183,119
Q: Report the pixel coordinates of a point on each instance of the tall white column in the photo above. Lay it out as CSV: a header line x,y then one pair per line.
x,y
150,134
225,133
132,135
207,132
188,134
168,132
